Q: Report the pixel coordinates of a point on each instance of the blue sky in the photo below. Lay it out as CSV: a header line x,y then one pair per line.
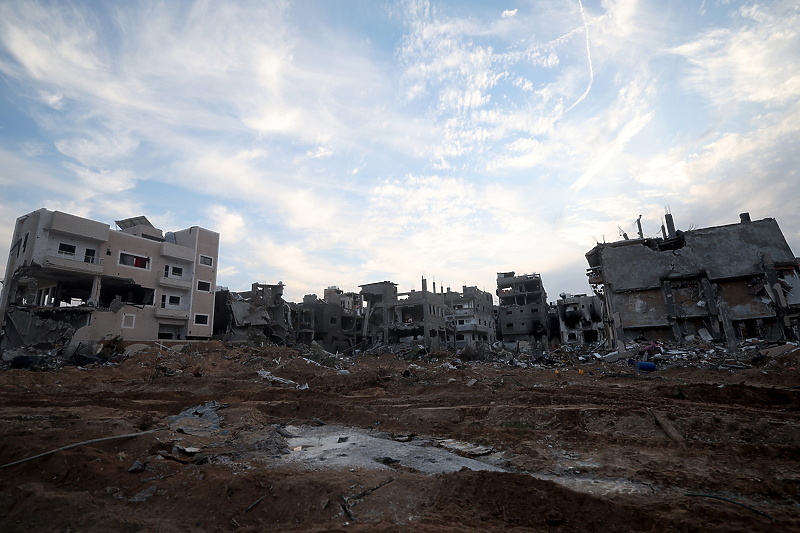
x,y
347,142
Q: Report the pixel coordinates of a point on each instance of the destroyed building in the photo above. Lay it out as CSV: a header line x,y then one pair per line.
x,y
726,283
523,309
258,315
410,317
473,316
342,320
421,316
579,319
74,280
378,297
334,322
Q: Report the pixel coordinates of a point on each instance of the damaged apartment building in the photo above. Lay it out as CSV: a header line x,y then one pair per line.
x,y
424,317
523,311
472,316
335,322
71,280
579,319
725,283
258,315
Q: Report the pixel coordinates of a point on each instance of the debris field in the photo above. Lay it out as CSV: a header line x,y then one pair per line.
x,y
231,437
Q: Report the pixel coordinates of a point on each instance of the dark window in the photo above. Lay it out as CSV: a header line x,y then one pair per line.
x,y
25,242
166,271
177,272
89,256
204,286
174,300
205,260
66,249
134,260
201,319
510,325
333,320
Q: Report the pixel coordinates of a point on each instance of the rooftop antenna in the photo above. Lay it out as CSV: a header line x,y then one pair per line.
x,y
622,233
639,225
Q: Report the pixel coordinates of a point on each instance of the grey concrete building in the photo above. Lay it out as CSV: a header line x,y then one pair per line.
x,y
580,319
378,297
523,309
258,315
472,316
74,280
726,282
415,316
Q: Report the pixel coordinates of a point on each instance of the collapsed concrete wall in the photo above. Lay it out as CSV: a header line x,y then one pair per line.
x,y
727,283
523,311
258,315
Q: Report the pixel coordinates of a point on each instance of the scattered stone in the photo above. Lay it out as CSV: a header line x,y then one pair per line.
x,y
143,496
137,467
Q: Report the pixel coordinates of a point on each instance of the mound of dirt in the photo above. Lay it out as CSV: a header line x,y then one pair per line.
x,y
234,438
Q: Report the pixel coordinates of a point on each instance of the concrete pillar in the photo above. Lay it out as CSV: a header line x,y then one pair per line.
x,y
670,225
672,311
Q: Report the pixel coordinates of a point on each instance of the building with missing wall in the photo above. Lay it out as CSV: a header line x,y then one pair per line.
x,y
724,283
74,280
523,310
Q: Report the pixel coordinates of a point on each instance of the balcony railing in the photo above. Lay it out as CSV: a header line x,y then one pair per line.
x,y
176,282
88,264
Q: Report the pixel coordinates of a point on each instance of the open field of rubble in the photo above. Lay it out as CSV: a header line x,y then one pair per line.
x,y
216,437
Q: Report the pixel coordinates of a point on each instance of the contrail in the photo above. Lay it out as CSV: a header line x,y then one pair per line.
x,y
589,57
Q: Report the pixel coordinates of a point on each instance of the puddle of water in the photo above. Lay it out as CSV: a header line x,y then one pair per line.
x,y
340,447
335,447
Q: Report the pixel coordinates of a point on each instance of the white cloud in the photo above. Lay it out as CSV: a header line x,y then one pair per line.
x,y
752,62
228,223
320,152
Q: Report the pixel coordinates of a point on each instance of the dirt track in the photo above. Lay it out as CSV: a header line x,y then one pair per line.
x,y
579,451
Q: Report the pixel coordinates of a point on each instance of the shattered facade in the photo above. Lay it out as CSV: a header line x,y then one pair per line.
x,y
725,283
378,297
74,280
523,310
420,317
257,315
579,318
473,316
335,322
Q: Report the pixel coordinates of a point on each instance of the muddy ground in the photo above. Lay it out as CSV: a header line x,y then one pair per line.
x,y
276,442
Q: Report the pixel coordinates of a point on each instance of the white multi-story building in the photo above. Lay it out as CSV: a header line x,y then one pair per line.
x,y
69,276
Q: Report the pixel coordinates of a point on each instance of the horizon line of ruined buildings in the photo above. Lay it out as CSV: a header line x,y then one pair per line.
x,y
73,282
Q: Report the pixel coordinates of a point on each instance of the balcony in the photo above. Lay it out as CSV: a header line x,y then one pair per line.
x,y
167,312
472,327
176,282
174,251
83,264
595,275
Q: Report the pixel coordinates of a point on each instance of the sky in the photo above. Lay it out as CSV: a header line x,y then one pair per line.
x,y
335,142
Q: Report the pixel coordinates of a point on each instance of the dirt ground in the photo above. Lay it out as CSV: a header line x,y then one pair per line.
x,y
592,447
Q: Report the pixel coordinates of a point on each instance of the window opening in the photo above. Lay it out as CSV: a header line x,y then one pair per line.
x,y
134,260
66,249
